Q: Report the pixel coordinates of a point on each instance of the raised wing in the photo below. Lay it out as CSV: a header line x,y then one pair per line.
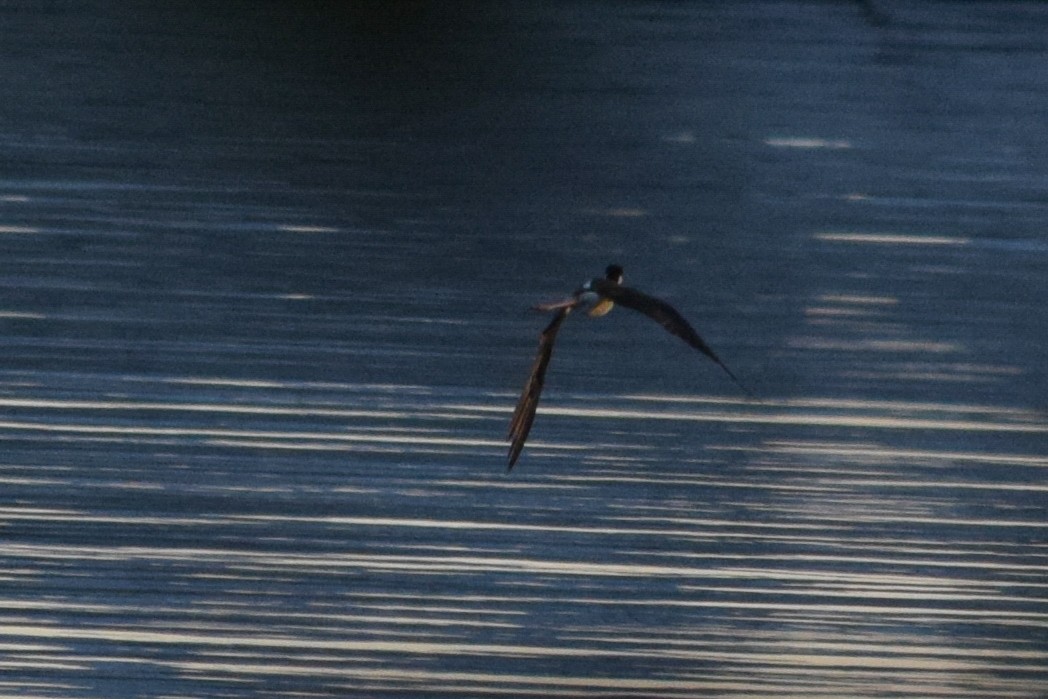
x,y
663,314
524,415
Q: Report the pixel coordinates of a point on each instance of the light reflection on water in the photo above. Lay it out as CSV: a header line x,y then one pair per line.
x,y
264,306
760,560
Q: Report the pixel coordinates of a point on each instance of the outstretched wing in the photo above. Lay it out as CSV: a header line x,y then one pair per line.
x,y
524,415
663,314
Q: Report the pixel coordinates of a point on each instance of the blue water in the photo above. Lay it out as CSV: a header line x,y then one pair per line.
x,y
264,280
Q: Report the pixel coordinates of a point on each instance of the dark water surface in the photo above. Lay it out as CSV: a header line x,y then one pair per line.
x,y
264,272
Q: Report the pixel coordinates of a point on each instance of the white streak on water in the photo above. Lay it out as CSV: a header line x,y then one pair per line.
x,y
653,577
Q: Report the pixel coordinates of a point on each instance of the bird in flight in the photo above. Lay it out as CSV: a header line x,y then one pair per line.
x,y
597,297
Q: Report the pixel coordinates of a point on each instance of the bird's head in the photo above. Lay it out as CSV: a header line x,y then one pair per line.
x,y
614,273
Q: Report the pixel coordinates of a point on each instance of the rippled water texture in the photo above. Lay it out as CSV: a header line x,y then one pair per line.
x,y
264,280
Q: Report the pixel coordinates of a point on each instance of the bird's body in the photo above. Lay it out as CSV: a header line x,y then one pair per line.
x,y
597,297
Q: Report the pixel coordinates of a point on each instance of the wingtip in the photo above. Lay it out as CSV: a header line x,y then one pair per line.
x,y
515,448
750,395
731,374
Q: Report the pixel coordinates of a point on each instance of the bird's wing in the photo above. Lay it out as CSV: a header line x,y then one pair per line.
x,y
571,302
524,415
663,314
